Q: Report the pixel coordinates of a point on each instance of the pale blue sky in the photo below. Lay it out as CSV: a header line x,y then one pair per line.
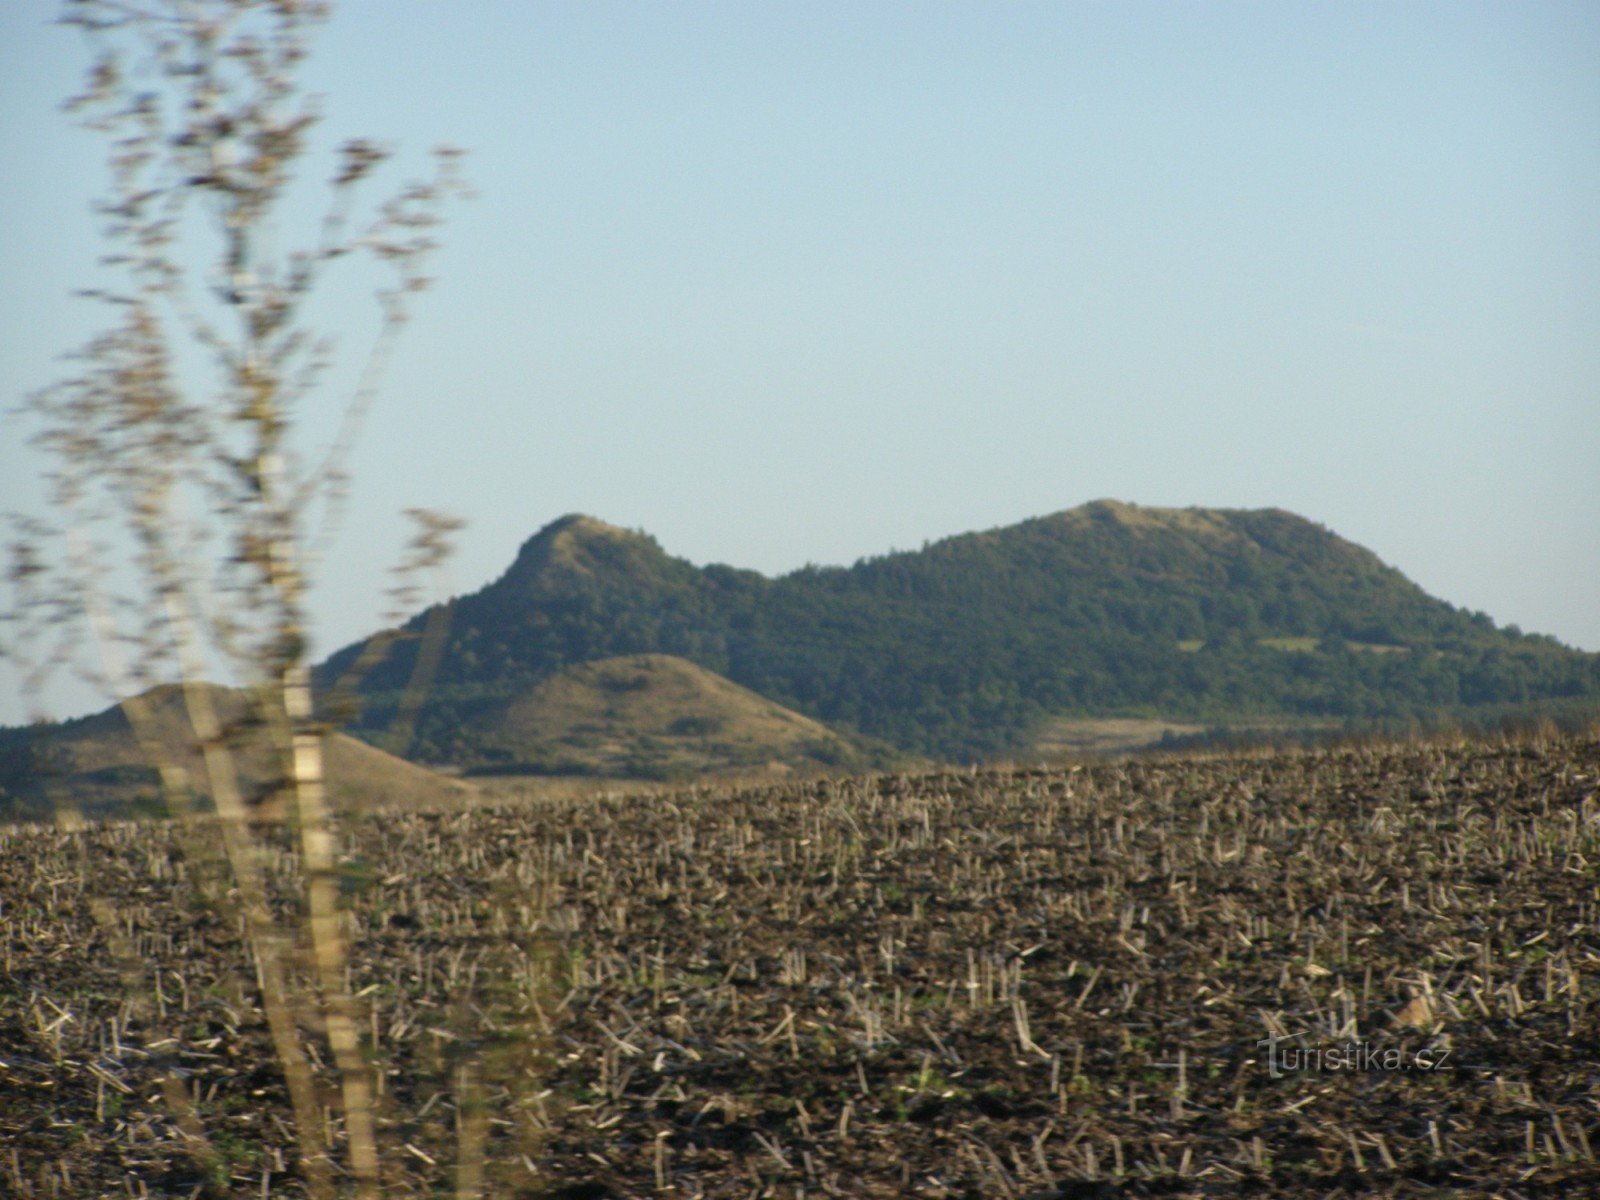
x,y
790,282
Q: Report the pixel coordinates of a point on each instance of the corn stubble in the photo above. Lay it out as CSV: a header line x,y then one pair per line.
x,y
997,983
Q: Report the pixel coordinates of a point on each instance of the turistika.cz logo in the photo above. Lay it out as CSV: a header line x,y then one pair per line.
x,y
1290,1055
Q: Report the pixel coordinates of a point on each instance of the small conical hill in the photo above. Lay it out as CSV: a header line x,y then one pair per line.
x,y
653,716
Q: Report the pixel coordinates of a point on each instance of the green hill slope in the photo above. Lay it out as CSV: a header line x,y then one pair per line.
x,y
969,646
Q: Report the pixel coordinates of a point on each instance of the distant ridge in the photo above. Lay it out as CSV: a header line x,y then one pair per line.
x,y
97,765
977,643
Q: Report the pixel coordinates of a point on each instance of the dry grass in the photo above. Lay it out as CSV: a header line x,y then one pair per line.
x,y
1005,983
1106,735
663,715
101,768
1197,522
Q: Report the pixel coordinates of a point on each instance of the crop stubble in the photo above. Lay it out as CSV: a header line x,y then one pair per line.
x,y
968,983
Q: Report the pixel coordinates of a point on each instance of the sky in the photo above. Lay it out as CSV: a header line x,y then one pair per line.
x,y
802,282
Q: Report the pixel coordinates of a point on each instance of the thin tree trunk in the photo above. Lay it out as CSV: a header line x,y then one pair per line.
x,y
318,850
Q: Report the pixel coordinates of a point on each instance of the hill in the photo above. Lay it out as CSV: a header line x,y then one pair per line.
x,y
98,765
973,645
653,716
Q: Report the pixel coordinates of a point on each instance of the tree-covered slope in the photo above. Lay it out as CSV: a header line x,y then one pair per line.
x,y
961,648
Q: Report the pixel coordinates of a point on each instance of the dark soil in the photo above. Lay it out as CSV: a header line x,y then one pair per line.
x,y
1024,983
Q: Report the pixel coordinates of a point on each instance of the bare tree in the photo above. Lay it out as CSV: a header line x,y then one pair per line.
x,y
188,509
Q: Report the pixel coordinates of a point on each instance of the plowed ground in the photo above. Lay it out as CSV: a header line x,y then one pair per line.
x,y
997,983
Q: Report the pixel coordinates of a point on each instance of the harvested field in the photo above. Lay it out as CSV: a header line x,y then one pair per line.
x,y
1024,983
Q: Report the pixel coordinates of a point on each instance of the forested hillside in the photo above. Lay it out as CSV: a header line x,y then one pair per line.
x,y
961,648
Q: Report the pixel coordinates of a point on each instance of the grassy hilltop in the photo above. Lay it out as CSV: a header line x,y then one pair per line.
x,y
654,716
